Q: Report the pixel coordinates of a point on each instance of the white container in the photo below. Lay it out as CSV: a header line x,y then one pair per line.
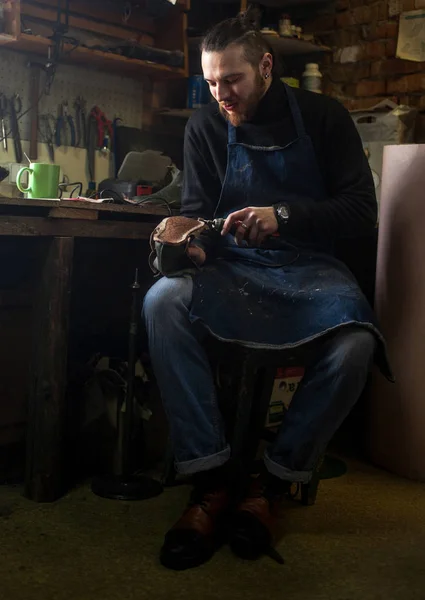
x,y
312,78
285,26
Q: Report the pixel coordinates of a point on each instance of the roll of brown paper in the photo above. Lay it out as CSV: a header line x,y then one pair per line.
x,y
397,432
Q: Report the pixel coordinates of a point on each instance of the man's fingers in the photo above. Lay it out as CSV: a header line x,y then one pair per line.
x,y
240,234
239,215
261,237
253,235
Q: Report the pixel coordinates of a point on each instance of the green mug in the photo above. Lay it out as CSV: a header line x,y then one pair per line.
x,y
43,180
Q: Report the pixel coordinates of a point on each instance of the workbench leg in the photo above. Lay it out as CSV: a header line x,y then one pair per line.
x,y
46,432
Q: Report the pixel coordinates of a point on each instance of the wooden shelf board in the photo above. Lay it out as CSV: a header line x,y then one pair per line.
x,y
6,38
277,3
292,46
106,61
285,46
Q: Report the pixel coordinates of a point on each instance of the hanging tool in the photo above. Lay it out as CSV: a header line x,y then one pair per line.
x,y
3,115
34,103
105,132
15,110
64,122
47,130
115,148
80,105
92,135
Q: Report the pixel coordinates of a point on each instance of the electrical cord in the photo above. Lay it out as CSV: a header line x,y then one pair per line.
x,y
117,197
156,202
127,12
77,184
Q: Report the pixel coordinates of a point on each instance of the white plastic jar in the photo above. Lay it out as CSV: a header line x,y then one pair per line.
x,y
312,78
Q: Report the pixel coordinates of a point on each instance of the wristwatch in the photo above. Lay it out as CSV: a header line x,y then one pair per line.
x,y
282,214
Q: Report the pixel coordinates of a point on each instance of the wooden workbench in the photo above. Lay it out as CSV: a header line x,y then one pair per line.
x,y
59,223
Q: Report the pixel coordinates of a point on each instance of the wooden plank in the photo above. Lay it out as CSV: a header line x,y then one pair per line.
x,y
89,24
292,46
73,213
12,17
46,432
89,9
82,205
105,61
43,226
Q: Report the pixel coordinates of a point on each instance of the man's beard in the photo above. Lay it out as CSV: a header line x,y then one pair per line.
x,y
248,107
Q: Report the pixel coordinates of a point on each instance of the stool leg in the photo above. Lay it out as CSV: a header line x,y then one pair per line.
x,y
263,392
241,429
309,490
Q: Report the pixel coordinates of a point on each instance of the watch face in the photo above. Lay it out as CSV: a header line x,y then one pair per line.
x,y
283,212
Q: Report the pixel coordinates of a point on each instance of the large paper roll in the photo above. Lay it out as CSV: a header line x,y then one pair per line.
x,y
397,432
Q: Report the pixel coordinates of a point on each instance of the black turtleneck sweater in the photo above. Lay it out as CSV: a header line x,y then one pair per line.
x,y
350,209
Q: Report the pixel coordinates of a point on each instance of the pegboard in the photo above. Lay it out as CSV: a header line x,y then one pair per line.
x,y
115,95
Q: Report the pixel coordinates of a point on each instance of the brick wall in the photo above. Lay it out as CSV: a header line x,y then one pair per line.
x,y
363,68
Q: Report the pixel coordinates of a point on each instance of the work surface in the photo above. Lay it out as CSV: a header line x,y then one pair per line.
x,y
57,225
72,218
364,539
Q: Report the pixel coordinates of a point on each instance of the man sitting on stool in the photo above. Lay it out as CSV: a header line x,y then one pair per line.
x,y
287,170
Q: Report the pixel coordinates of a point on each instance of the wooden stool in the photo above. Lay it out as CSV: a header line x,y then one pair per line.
x,y
245,401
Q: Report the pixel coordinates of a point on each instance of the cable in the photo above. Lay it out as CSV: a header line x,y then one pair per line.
x,y
117,197
80,193
127,12
157,201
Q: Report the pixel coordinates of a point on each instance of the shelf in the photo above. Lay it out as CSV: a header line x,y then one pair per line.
x,y
292,46
106,61
282,45
5,38
276,3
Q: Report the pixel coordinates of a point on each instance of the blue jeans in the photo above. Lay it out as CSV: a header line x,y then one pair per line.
x,y
330,388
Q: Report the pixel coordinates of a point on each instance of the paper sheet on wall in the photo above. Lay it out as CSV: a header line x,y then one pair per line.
x,y
411,36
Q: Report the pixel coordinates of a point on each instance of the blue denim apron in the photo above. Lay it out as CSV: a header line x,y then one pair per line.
x,y
287,293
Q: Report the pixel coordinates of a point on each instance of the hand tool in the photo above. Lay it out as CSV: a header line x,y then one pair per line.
x,y
3,115
47,130
34,107
15,110
115,147
104,128
64,122
80,105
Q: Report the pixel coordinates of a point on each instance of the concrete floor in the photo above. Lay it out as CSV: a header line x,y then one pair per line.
x,y
363,540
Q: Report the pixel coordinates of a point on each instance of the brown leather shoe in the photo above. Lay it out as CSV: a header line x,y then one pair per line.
x,y
254,524
199,532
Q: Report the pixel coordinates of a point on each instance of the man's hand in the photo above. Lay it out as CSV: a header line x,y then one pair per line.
x,y
253,223
197,254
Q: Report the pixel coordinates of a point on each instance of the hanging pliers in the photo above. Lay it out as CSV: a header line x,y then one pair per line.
x,y
65,122
80,106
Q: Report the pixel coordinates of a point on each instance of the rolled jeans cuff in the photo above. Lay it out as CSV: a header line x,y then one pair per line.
x,y
205,463
286,474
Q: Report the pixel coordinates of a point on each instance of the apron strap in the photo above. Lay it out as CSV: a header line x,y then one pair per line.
x,y
295,111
